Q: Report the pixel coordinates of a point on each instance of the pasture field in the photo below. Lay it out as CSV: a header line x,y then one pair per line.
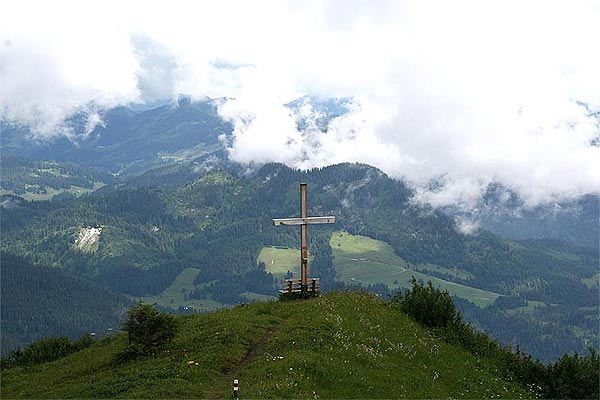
x,y
253,297
174,295
278,261
527,309
593,281
455,272
362,260
51,192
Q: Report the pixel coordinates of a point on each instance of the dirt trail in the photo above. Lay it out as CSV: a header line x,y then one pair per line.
x,y
225,381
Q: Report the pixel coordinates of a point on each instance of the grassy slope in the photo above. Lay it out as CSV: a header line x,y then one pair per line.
x,y
360,259
51,192
593,281
278,261
526,309
345,345
174,295
454,272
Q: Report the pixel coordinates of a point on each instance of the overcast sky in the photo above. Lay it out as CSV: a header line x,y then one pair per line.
x,y
466,93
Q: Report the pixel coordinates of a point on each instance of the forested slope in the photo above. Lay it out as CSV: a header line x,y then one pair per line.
x,y
38,301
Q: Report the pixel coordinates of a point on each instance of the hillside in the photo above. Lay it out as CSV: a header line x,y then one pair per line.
x,y
343,345
213,229
503,212
130,140
43,180
127,141
38,301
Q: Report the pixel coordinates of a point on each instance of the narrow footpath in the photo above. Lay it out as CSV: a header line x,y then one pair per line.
x,y
223,385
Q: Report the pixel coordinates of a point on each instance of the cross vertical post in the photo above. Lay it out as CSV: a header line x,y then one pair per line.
x,y
304,237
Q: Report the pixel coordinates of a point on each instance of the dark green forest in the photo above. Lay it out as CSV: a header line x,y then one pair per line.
x,y
38,301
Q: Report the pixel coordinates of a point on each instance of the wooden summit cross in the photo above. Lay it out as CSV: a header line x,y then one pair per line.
x,y
303,221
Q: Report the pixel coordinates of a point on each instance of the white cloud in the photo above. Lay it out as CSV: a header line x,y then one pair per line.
x,y
466,226
465,93
157,76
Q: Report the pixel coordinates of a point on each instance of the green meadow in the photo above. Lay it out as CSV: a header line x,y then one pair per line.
x,y
174,295
51,192
593,281
278,261
362,260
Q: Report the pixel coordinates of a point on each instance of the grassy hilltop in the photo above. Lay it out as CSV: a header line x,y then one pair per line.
x,y
342,345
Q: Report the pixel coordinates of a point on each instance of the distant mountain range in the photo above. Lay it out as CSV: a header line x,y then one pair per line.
x,y
170,216
128,142
170,142
503,212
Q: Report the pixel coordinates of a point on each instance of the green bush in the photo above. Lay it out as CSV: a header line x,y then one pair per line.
x,y
575,377
427,305
44,350
148,329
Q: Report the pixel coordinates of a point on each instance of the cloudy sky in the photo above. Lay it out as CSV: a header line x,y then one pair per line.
x,y
463,93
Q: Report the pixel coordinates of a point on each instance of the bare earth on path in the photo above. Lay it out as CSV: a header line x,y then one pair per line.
x,y
226,380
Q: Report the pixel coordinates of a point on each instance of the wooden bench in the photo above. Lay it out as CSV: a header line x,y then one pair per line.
x,y
295,285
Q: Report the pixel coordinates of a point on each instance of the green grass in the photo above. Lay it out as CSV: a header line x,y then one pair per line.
x,y
174,295
342,345
454,272
278,261
356,247
250,296
50,192
593,281
215,341
362,260
527,309
191,152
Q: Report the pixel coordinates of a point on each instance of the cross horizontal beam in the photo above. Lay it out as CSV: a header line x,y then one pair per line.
x,y
303,221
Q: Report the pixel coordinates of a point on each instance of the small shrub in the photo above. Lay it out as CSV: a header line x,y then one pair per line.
x,y
427,305
148,329
83,342
45,350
